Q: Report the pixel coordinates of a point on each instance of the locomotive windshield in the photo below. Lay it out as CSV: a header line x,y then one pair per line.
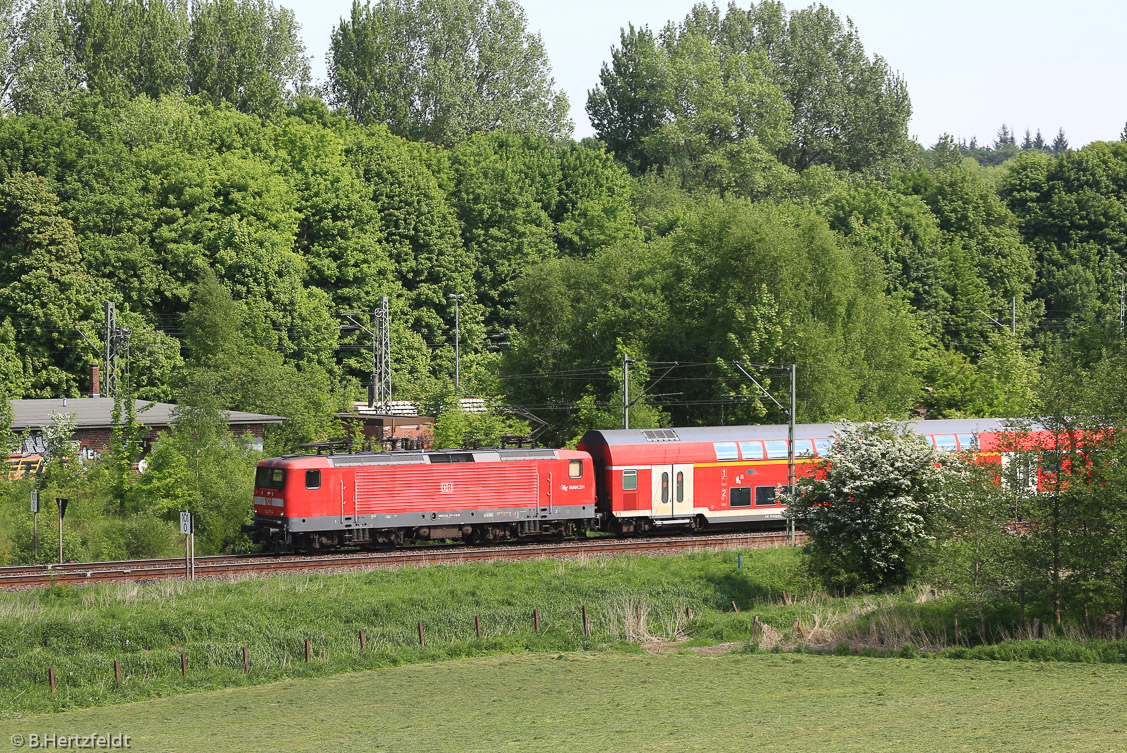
x,y
270,478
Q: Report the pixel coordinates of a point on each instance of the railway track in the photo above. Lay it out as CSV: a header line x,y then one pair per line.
x,y
255,564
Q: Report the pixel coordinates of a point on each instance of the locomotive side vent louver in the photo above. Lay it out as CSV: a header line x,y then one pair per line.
x,y
659,435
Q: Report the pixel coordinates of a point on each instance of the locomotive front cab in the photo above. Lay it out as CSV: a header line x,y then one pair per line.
x,y
269,491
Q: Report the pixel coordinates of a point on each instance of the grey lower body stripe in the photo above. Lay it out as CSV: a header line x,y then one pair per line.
x,y
428,519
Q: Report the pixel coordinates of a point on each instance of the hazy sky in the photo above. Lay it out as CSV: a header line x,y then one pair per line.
x,y
969,66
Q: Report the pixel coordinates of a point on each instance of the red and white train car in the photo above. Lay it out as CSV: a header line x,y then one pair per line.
x,y
307,502
731,476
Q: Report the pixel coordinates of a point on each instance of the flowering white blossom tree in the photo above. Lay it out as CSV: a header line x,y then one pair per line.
x,y
871,504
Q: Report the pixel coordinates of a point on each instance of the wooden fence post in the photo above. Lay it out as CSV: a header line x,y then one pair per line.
x,y
184,665
363,644
477,625
246,661
422,640
755,627
51,678
734,607
586,626
116,672
536,619
307,649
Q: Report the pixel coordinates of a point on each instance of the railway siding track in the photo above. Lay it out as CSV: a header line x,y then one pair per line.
x,y
249,565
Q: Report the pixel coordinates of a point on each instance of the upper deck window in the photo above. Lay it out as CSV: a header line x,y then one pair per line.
x,y
803,448
752,450
968,442
946,442
270,478
824,446
726,451
776,448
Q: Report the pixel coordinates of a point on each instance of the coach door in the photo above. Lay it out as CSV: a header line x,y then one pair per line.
x,y
661,481
682,491
672,491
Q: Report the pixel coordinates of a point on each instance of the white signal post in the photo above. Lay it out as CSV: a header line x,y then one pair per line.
x,y
35,525
188,528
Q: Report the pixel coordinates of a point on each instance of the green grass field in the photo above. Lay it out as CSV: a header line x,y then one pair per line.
x,y
80,632
612,701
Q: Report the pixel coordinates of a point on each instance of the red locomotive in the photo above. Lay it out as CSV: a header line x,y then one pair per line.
x,y
307,502
623,481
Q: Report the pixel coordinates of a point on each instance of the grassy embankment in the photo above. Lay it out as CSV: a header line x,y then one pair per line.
x,y
79,632
580,702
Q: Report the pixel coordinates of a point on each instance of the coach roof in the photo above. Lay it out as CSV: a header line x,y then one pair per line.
x,y
779,431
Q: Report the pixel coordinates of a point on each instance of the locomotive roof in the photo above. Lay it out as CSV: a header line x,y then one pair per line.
x,y
420,457
779,431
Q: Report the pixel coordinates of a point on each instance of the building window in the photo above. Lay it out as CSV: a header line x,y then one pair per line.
x,y
313,479
739,496
629,480
575,469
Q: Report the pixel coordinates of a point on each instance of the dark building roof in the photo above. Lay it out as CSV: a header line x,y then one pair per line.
x,y
97,412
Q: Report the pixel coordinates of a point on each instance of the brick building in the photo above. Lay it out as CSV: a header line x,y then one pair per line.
x,y
94,425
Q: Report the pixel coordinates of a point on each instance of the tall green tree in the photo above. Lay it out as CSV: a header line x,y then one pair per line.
x,y
40,72
127,48
248,53
441,70
847,110
44,289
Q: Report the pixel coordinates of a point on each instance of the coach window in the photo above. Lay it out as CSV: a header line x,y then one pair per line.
x,y
665,487
575,469
765,495
968,442
680,486
312,479
803,448
752,450
776,448
739,496
726,451
946,442
824,446
629,481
